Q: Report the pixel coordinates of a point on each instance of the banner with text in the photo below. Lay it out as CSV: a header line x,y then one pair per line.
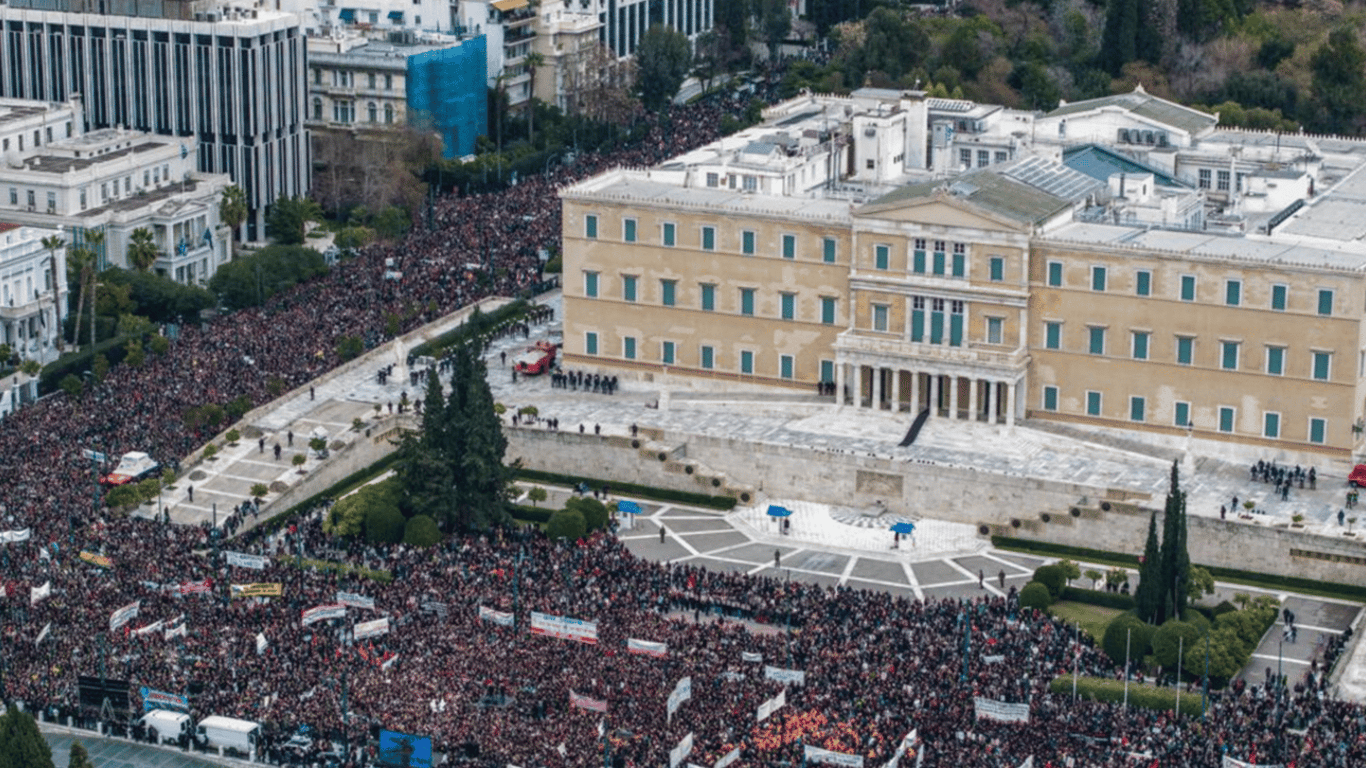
x,y
124,615
682,692
371,628
908,743
154,699
785,676
195,587
257,590
728,758
323,613
497,617
584,702
11,537
646,648
94,559
681,751
756,658
1231,763
155,626
818,755
176,628
564,627
243,560
356,601
1001,711
772,705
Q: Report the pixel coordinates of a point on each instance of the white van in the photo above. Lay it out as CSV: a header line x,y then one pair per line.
x,y
168,726
229,733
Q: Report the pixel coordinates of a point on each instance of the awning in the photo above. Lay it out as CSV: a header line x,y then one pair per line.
x,y
776,511
396,15
347,15
509,5
628,507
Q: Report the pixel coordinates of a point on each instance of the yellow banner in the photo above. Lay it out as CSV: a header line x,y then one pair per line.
x,y
94,559
256,590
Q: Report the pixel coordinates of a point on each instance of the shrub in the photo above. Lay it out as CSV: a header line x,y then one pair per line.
x,y
1223,608
1099,597
238,407
566,524
384,524
421,532
122,496
1146,696
1196,619
536,495
210,451
259,490
595,515
298,460
1035,595
233,436
1052,576
1167,641
631,489
1118,636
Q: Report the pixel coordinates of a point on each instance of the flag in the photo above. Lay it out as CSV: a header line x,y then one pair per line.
x,y
584,702
43,634
176,630
196,587
38,593
261,643
646,648
752,657
562,750
389,659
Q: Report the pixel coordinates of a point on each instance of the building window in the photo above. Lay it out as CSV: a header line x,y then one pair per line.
x,y
317,78
666,292
1271,424
343,112
388,82
666,353
789,306
1278,293
918,256
1050,398
880,317
1318,430
590,284
318,109
828,310
1185,350
590,227
1275,361
1140,345
590,343
785,366
708,297
1233,292
13,195
709,238
998,269
917,318
956,311
628,230
1097,340
747,242
960,259
628,287
1188,287
995,330
881,256
938,257
628,347
370,80
668,234
1325,302
789,246
1204,177
713,180
747,301
1228,355
1052,335
964,159
828,370
1136,407
388,114
1323,363
746,361
1222,181
1226,417
828,250
1055,273
1092,403
372,112
708,358
1182,415
1097,278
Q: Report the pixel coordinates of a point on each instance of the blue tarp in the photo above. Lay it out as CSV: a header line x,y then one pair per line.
x,y
776,511
628,507
903,528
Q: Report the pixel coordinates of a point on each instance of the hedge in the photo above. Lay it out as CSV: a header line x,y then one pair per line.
x,y
341,488
532,514
1098,597
345,568
630,489
488,321
1356,593
1146,696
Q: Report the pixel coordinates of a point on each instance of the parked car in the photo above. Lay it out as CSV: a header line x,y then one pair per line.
x,y
1358,476
536,359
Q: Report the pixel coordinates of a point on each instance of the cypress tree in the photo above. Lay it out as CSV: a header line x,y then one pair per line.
x,y
21,744
1119,41
1148,597
1176,559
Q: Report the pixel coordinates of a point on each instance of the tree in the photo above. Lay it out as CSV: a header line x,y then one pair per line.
x,y
775,20
1054,577
251,280
1118,638
94,239
892,44
78,263
1172,638
662,58
1339,70
421,531
79,757
566,524
384,525
1035,595
287,220
347,515
52,243
533,61
1094,577
1148,597
595,514
1176,562
232,211
536,495
142,249
1201,583
1119,42
21,744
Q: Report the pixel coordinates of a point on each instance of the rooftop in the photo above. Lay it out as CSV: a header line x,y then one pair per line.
x,y
1299,252
1144,104
638,185
1100,163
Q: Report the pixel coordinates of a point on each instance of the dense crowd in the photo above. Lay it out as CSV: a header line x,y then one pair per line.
x,y
876,666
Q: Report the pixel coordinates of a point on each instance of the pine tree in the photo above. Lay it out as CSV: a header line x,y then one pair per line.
x,y
1119,41
1176,562
21,744
1148,598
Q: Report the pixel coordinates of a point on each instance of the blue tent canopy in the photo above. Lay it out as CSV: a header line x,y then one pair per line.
x,y
629,507
347,15
776,511
903,527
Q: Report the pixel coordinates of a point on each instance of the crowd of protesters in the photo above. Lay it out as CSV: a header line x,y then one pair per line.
x,y
876,666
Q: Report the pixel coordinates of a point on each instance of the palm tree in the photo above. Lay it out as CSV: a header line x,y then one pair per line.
x,y
78,261
142,249
232,210
94,238
52,243
533,60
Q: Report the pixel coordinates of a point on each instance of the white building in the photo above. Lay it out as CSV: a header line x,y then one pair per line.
x,y
510,28
30,313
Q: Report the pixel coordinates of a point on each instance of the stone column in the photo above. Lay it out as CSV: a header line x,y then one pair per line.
x,y
1010,404
839,384
934,394
953,398
972,400
896,390
992,397
876,373
858,385
915,392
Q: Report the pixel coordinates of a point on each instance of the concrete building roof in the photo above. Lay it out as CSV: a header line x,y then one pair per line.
x,y
1144,104
1340,214
637,186
1210,245
1029,192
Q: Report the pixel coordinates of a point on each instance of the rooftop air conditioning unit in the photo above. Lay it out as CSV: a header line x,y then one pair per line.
x,y
1124,135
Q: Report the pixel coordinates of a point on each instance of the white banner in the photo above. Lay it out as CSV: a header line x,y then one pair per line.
x,y
124,615
785,676
371,628
772,705
261,643
728,758
176,628
497,617
1028,763
11,537
681,751
323,612
38,593
682,692
647,648
1231,763
47,628
255,562
818,755
150,628
993,659
356,601
901,748
564,627
752,657
1000,710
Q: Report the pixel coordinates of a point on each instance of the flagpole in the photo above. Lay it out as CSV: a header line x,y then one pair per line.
x,y
1128,638
1180,651
1076,658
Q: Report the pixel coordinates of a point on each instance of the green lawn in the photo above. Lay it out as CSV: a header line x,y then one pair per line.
x,y
1093,618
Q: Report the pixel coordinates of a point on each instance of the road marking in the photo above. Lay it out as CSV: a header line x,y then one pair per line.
x,y
848,569
1265,657
912,580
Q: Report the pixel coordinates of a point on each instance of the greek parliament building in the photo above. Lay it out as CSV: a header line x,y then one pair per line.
x,y
232,75
1121,264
